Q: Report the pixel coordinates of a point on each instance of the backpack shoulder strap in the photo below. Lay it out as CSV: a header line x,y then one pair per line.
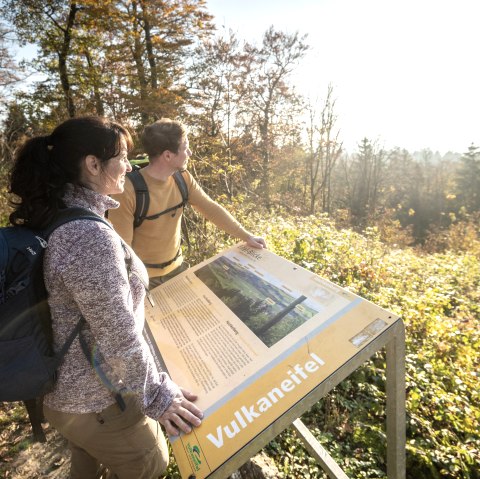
x,y
182,185
70,214
142,197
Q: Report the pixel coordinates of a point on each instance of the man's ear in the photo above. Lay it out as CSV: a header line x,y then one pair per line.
x,y
168,155
92,165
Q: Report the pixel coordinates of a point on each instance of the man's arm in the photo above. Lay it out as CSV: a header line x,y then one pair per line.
x,y
221,218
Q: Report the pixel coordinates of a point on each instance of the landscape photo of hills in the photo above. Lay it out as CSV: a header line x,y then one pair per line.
x,y
268,310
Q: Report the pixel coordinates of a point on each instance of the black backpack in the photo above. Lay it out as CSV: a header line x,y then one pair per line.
x,y
27,363
142,202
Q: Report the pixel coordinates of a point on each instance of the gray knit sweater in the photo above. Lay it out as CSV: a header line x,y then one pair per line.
x,y
85,274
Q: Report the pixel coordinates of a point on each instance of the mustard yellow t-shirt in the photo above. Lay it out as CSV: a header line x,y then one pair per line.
x,y
158,241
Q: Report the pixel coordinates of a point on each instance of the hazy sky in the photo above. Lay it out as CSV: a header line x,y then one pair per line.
x,y
405,72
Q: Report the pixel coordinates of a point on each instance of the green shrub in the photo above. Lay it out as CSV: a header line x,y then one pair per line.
x,y
438,297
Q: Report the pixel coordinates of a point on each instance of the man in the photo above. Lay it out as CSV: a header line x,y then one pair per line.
x,y
157,241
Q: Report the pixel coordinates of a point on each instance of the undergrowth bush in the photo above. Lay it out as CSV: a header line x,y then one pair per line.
x,y
438,297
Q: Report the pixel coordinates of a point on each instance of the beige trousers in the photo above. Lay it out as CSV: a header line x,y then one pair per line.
x,y
128,443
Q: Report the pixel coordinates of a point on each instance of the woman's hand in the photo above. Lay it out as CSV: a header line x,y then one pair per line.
x,y
181,414
256,242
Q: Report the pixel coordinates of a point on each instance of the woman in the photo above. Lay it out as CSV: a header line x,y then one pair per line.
x,y
82,162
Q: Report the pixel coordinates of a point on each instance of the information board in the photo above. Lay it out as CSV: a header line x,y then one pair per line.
x,y
252,334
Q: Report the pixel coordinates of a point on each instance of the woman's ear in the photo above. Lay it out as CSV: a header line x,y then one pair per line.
x,y
92,165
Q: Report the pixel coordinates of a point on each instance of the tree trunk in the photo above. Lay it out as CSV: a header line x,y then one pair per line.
x,y
62,61
149,46
137,57
96,92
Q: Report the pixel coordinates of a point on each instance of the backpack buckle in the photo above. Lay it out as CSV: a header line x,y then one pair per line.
x,y
42,242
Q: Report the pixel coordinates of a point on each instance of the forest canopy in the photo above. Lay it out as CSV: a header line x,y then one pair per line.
x,y
254,135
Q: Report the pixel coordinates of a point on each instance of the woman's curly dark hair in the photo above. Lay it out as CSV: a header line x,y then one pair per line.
x,y
45,164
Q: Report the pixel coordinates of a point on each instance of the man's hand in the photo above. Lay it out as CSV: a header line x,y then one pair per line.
x,y
181,414
256,242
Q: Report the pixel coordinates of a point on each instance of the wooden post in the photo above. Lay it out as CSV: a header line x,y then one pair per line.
x,y
396,420
316,450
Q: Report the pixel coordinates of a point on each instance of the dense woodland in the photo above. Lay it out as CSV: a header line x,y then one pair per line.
x,y
397,227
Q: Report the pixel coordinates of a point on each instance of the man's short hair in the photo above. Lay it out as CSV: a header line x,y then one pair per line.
x,y
163,135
